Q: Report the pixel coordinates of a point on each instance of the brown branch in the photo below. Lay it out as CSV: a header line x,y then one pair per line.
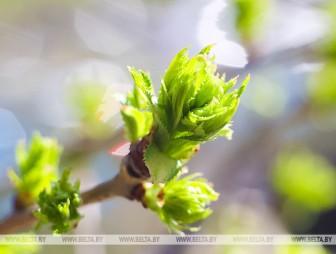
x,y
123,185
16,222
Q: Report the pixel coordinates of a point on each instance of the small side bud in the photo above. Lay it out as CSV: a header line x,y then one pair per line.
x,y
180,202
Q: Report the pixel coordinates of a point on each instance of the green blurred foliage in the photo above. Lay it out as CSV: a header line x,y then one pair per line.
x,y
58,205
275,249
328,45
297,217
300,249
322,91
85,100
38,166
305,178
322,84
20,249
252,18
266,98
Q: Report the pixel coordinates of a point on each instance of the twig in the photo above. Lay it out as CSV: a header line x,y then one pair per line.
x,y
16,222
122,185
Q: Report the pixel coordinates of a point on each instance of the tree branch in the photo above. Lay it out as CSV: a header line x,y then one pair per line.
x,y
122,185
16,222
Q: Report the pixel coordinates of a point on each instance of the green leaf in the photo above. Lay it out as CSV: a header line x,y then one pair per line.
x,y
38,166
181,149
58,205
162,167
137,123
136,111
177,64
143,92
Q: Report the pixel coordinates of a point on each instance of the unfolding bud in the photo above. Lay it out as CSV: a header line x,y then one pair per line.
x,y
59,204
194,104
180,203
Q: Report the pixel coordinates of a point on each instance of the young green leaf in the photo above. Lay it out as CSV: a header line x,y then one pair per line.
x,y
136,111
143,92
137,123
38,166
162,167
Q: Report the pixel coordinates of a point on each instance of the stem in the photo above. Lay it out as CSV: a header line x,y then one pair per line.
x,y
16,222
122,185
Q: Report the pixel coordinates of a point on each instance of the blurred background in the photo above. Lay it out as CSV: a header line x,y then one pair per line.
x,y
58,59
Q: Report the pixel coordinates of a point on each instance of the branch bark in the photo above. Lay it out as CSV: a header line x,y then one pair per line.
x,y
123,185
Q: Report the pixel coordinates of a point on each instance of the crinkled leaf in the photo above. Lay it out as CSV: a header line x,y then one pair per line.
x,y
184,87
143,92
195,104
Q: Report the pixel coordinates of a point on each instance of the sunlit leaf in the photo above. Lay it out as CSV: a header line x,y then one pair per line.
x,y
38,166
